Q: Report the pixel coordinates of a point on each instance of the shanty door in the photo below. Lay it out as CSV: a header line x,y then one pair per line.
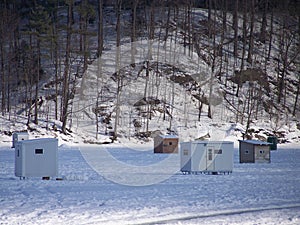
x,y
210,158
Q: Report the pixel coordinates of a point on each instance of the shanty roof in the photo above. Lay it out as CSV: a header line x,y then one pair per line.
x,y
23,132
255,142
211,142
169,136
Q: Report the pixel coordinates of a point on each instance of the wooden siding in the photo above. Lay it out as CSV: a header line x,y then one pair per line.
x,y
254,152
262,153
165,145
246,153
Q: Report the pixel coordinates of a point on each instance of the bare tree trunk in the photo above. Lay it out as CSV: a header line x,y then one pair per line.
x,y
236,28
200,105
213,65
250,106
37,82
133,30
264,22
224,15
100,27
251,40
167,23
81,34
85,43
298,86
245,21
284,49
297,97
146,79
119,82
57,59
271,34
96,115
190,28
55,55
2,55
66,86
151,30
224,28
245,34
8,79
30,104
3,82
209,20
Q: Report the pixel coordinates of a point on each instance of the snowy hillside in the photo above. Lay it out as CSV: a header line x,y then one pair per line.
x,y
172,82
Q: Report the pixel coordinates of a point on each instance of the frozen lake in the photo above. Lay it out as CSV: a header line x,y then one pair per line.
x,y
135,186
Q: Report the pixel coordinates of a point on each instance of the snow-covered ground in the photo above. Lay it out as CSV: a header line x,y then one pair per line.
x,y
134,186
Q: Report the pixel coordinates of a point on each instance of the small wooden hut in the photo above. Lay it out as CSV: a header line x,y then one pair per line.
x,y
166,144
254,151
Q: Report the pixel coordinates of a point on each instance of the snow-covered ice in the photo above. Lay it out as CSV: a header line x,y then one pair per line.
x,y
125,190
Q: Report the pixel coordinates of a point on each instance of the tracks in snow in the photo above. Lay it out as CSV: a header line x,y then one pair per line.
x,y
219,213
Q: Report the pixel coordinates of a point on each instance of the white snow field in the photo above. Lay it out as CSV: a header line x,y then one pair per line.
x,y
118,184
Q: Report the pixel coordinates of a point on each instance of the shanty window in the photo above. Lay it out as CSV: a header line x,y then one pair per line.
x,y
218,151
209,154
246,152
261,151
39,151
185,152
170,143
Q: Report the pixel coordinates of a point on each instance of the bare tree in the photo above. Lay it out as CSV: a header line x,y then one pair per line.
x,y
66,74
87,14
297,61
119,79
245,34
133,28
271,33
263,28
235,27
209,17
213,63
251,34
224,29
100,27
250,105
9,56
57,57
297,94
286,57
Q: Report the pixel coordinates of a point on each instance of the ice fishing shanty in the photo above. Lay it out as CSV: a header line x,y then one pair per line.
x,y
36,158
166,144
19,136
254,151
211,157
